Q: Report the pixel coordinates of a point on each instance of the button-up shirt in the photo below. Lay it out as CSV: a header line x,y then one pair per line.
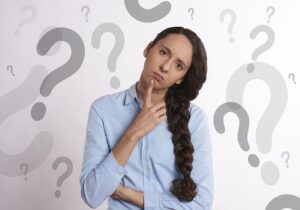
x,y
151,166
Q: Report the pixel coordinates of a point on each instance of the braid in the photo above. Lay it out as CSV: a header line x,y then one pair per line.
x,y
178,117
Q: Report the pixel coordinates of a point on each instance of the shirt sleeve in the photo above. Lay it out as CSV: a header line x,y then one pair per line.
x,y
101,173
202,174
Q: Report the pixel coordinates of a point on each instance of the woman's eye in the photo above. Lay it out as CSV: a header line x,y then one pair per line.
x,y
178,65
162,52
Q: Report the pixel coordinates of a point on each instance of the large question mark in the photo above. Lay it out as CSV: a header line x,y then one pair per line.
x,y
268,44
85,7
29,19
274,111
26,169
66,174
284,201
147,15
115,52
232,14
191,10
273,10
63,72
287,158
40,147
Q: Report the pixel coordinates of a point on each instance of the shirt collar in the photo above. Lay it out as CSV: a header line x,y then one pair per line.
x,y
131,94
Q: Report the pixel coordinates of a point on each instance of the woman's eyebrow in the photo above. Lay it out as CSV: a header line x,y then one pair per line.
x,y
170,52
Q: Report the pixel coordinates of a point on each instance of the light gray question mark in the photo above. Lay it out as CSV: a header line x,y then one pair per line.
x,y
12,102
85,7
273,10
10,68
284,201
274,111
66,174
291,75
231,13
63,72
268,44
115,52
287,158
29,19
26,169
191,10
147,15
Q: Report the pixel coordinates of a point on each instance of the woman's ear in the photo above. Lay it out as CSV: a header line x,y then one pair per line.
x,y
146,50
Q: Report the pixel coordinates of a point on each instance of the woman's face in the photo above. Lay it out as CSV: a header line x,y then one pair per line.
x,y
170,57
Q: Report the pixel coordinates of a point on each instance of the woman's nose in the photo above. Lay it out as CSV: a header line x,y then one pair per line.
x,y
166,65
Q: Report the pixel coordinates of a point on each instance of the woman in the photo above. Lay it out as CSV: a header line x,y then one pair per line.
x,y
148,147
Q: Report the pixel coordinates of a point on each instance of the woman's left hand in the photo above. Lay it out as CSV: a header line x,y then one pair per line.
x,y
129,194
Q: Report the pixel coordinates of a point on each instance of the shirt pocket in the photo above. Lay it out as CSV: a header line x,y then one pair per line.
x,y
164,154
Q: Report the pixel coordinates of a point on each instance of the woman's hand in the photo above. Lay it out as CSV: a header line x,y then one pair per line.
x,y
130,195
149,116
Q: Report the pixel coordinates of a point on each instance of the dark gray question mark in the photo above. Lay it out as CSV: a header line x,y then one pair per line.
x,y
66,174
115,52
63,72
242,114
147,15
284,201
26,169
10,68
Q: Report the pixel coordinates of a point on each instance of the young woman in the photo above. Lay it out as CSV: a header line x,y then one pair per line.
x,y
148,147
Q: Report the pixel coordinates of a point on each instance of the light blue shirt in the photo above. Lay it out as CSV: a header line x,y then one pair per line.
x,y
151,165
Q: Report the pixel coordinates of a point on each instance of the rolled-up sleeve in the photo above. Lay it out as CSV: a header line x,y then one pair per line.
x,y
101,173
202,173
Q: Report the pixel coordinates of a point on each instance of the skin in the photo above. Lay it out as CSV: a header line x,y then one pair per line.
x,y
162,58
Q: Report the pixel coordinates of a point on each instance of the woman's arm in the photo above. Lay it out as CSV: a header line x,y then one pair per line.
x,y
130,195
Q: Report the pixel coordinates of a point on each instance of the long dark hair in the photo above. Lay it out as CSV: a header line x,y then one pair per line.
x,y
177,100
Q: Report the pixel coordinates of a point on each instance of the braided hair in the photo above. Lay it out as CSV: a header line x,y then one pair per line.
x,y
177,100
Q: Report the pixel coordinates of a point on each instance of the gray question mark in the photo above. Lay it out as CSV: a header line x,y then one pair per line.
x,y
273,10
63,72
274,111
85,7
191,10
243,117
291,75
10,68
231,13
29,19
115,52
12,102
287,158
66,174
147,15
270,39
284,201
26,169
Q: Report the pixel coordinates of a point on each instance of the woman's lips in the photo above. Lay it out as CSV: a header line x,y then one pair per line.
x,y
157,76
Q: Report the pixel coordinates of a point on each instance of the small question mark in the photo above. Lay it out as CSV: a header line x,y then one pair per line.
x,y
85,7
291,75
273,10
268,44
63,72
288,157
115,52
26,169
191,10
10,68
29,19
65,175
232,14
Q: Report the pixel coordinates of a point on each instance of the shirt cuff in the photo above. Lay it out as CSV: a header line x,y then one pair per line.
x,y
112,168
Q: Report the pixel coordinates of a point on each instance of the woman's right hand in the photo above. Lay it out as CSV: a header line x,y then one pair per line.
x,y
149,116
